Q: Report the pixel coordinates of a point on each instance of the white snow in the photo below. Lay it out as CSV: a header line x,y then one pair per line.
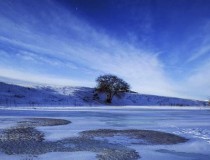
x,y
45,96
80,155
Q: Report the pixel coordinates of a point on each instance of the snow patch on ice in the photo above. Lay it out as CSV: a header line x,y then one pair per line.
x,y
197,133
80,155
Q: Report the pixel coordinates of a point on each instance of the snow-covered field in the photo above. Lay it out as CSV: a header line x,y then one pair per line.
x,y
191,123
17,95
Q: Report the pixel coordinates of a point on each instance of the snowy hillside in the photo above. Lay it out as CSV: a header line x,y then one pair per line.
x,y
13,95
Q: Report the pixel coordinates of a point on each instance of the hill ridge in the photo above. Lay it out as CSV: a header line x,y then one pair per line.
x,y
17,95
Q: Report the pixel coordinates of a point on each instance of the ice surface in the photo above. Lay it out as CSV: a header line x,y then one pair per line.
x,y
189,123
80,155
124,140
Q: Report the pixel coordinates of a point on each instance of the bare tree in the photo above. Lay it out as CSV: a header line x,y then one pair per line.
x,y
112,86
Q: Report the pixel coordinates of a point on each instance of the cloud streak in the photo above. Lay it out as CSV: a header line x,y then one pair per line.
x,y
203,49
57,47
39,78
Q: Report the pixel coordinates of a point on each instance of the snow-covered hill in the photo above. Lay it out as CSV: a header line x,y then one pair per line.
x,y
14,95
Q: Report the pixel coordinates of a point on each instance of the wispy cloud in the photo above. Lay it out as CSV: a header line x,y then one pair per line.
x,y
75,52
202,51
204,48
199,80
40,78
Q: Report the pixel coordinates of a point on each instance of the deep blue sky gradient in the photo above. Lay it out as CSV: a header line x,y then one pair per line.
x,y
158,46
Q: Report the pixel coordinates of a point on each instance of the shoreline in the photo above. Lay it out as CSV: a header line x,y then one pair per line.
x,y
103,108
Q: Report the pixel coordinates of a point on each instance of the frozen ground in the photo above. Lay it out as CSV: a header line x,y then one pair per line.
x,y
191,123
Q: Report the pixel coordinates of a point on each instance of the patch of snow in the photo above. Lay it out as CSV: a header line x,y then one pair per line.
x,y
197,133
80,155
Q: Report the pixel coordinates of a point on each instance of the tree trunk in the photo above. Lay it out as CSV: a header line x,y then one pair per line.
x,y
109,98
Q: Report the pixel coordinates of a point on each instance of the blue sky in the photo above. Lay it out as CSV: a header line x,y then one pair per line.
x,y
158,46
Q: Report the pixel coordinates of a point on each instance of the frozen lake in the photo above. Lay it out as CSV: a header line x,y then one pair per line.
x,y
190,123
